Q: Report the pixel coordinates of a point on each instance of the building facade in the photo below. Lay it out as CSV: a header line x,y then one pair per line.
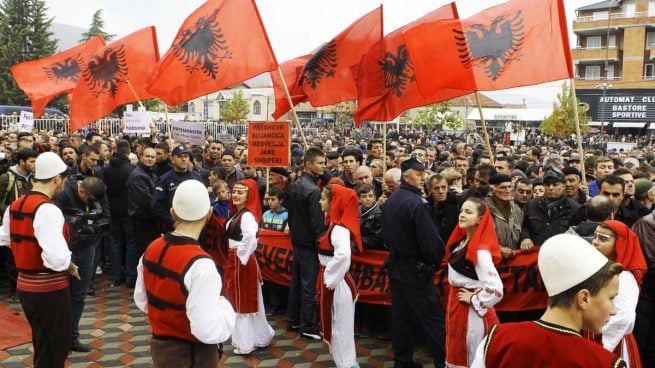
x,y
261,102
614,61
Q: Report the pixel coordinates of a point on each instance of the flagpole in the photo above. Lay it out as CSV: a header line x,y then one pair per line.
x,y
583,174
138,99
293,109
484,128
268,172
168,122
384,149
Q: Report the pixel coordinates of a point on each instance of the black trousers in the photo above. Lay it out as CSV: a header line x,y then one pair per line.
x,y
49,315
301,305
169,353
414,302
644,329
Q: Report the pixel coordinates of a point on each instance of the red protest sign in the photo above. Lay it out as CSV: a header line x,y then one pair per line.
x,y
268,143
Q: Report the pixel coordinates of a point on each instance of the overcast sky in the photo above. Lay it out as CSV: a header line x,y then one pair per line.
x,y
295,27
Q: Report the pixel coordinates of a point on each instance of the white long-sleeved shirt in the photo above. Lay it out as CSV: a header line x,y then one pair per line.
x,y
488,288
248,243
623,321
337,265
211,316
48,230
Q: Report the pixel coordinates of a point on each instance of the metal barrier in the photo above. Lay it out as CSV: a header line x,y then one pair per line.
x,y
113,126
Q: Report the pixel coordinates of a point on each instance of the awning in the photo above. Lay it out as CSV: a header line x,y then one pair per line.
x,y
628,125
596,123
651,126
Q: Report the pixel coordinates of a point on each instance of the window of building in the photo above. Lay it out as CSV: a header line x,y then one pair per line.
x,y
651,8
649,71
257,108
650,39
592,72
630,10
210,109
612,43
593,42
600,15
192,108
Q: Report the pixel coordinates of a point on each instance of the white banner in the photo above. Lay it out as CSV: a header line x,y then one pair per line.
x,y
225,138
26,122
188,132
136,122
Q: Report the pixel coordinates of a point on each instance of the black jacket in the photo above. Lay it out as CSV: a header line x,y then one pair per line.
x,y
446,214
162,168
116,178
543,219
140,187
409,229
370,223
85,222
162,198
630,211
306,219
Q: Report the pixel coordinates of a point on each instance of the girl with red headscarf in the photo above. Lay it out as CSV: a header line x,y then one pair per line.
x,y
475,286
242,276
336,288
618,243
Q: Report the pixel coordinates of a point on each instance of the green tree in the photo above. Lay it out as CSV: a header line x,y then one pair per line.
x,y
561,123
97,28
438,115
235,110
24,35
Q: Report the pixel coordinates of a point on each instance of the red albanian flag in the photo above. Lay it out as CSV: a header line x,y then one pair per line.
x,y
328,77
114,76
387,83
46,78
517,43
219,45
291,70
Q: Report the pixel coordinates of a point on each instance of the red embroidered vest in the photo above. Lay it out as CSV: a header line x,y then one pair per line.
x,y
24,246
165,264
542,344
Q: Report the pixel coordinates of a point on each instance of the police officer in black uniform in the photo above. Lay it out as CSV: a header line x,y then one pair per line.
x,y
416,250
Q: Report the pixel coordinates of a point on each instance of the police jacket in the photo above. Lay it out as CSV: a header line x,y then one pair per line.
x,y
140,188
544,219
409,229
162,199
306,219
116,178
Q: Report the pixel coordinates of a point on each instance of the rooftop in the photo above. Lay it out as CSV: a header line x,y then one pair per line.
x,y
603,5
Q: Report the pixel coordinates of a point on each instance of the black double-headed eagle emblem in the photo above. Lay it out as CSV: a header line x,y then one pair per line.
x,y
321,65
398,70
494,46
204,47
106,72
67,70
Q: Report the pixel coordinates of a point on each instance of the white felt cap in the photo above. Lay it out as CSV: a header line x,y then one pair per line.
x,y
49,165
566,260
191,200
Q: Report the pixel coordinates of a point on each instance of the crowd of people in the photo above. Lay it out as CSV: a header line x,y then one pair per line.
x,y
137,209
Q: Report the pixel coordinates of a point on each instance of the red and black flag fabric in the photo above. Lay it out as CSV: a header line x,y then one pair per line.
x,y
387,83
46,78
517,43
220,44
291,71
114,76
330,75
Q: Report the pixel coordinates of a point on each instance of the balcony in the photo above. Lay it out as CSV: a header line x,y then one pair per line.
x,y
596,78
617,20
598,53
